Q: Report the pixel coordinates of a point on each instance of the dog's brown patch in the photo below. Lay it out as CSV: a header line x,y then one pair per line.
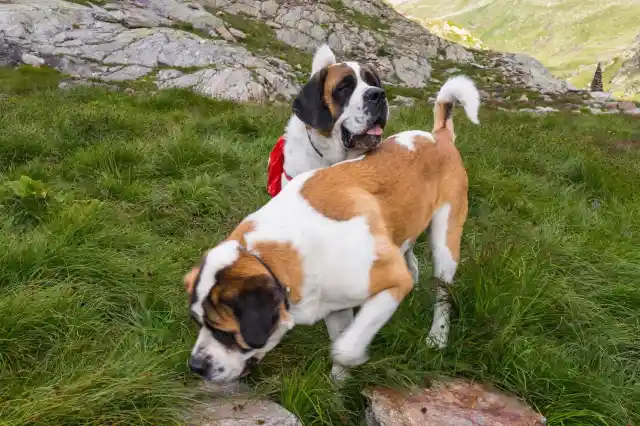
x,y
397,190
286,264
336,73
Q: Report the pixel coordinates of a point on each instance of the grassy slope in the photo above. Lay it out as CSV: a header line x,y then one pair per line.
x,y
93,323
564,35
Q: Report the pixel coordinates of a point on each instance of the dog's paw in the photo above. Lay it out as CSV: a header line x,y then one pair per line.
x,y
346,354
438,336
436,342
339,374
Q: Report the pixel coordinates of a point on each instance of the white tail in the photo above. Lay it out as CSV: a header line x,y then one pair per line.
x,y
459,88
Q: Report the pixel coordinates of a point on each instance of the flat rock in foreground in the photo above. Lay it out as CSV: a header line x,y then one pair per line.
x,y
231,405
240,411
449,402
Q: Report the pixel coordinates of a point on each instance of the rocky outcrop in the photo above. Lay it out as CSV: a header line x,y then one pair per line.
x,y
528,72
134,40
449,402
193,44
627,78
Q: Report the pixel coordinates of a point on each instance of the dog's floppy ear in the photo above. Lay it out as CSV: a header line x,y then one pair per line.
x,y
257,312
309,105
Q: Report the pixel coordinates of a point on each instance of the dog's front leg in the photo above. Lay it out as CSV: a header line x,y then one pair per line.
x,y
389,284
337,322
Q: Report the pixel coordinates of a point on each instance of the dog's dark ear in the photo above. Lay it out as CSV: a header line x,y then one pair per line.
x,y
257,311
309,105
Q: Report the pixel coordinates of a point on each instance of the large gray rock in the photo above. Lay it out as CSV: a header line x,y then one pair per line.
x,y
399,48
129,40
526,71
448,402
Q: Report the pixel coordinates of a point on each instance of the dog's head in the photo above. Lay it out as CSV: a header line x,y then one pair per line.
x,y
240,309
343,100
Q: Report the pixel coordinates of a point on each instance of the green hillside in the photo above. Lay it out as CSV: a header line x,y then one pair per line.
x,y
568,36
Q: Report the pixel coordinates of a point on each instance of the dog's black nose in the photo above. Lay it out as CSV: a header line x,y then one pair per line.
x,y
199,366
374,95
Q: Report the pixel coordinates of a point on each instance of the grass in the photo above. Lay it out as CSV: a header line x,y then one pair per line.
x,y
125,192
261,39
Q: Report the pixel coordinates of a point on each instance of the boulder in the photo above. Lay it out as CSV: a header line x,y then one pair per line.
x,y
449,402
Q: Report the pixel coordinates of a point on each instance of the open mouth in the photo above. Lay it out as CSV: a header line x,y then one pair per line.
x,y
370,139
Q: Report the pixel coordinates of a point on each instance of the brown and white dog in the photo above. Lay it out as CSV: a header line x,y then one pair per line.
x,y
339,114
332,240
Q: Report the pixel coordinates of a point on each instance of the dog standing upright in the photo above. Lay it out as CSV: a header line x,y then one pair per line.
x,y
340,113
334,239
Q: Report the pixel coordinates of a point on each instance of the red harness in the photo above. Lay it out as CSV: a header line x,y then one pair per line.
x,y
275,169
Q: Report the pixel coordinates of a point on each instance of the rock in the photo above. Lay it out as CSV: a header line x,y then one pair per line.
x,y
626,106
595,111
524,98
449,402
225,34
611,105
240,411
547,98
484,94
10,55
601,96
33,60
404,101
633,112
527,71
451,70
538,110
128,39
237,33
100,43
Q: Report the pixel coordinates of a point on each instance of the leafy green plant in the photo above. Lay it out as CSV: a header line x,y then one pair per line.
x,y
27,199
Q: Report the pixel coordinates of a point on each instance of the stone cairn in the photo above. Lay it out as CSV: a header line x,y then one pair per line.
x,y
596,83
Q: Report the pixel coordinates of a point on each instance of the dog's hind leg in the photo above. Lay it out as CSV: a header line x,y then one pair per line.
x,y
336,323
445,232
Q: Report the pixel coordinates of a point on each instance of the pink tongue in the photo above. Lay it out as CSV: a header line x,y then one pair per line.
x,y
376,130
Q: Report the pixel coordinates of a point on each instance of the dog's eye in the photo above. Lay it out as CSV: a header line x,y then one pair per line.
x,y
370,79
345,87
225,337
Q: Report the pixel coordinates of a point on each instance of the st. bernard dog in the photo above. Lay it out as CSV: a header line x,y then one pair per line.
x,y
334,239
339,114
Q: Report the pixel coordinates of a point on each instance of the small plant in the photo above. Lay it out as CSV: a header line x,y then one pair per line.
x,y
27,200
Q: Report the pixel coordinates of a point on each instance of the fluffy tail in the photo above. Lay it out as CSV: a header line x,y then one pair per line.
x,y
459,88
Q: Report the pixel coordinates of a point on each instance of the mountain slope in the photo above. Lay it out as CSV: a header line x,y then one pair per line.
x,y
568,36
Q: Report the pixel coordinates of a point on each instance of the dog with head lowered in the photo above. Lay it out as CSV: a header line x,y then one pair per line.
x,y
334,239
